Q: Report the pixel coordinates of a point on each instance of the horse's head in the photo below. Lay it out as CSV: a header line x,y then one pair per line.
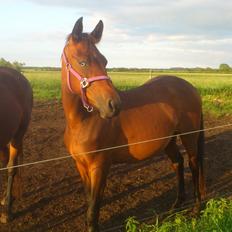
x,y
86,71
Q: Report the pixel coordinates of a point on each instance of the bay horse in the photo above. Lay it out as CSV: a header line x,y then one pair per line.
x,y
99,116
15,111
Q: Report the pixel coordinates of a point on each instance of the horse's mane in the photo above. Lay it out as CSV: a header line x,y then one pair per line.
x,y
84,36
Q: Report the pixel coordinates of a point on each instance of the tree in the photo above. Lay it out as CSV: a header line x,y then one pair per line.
x,y
16,65
4,63
224,68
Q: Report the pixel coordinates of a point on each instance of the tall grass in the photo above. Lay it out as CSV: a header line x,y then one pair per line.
x,y
215,88
217,217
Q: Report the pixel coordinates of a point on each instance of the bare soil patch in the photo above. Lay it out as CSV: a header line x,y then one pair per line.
x,y
54,200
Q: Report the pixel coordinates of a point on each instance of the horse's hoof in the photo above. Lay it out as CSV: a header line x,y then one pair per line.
x,y
4,219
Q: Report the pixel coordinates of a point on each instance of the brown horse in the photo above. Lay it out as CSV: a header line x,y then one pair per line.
x,y
15,112
163,106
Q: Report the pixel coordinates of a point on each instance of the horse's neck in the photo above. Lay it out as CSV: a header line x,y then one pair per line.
x,y
73,108
72,104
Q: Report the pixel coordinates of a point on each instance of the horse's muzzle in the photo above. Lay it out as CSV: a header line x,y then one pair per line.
x,y
111,109
114,106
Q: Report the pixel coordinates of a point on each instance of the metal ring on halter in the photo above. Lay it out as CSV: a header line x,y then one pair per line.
x,y
68,66
84,83
88,108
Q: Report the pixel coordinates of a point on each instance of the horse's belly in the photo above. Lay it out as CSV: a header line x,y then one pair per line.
x,y
140,150
147,133
143,151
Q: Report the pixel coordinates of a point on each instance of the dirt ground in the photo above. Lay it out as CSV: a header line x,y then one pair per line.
x,y
53,197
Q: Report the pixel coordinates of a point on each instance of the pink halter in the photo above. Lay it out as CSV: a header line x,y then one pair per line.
x,y
84,82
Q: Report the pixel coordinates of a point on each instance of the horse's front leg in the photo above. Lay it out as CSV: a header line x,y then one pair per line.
x,y
98,175
94,176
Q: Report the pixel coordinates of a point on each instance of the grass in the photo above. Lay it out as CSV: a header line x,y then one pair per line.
x,y
215,88
217,217
46,84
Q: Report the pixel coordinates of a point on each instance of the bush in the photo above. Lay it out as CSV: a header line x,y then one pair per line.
x,y
16,65
216,217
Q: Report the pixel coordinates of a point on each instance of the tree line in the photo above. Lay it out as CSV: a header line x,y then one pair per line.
x,y
225,68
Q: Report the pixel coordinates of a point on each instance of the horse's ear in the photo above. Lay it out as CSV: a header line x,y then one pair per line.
x,y
77,30
97,32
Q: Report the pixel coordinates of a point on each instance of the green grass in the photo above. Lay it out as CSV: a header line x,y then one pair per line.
x,y
215,88
46,84
217,217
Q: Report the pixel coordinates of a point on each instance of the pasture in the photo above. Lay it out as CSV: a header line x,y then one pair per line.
x,y
215,88
53,195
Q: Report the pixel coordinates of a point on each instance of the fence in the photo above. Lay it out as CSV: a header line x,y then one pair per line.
x,y
119,227
117,147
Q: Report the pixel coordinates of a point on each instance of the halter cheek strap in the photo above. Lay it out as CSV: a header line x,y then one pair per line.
x,y
84,82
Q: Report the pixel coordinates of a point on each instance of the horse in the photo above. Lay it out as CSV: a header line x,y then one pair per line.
x,y
15,112
99,116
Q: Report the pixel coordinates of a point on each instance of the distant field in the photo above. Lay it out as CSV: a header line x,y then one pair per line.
x,y
215,88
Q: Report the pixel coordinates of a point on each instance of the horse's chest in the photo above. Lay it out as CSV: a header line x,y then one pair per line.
x,y
80,141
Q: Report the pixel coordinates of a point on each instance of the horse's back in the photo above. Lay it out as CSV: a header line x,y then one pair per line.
x,y
177,90
16,84
15,104
163,91
181,95
172,83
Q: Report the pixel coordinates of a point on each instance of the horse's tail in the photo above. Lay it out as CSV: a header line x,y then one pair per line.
x,y
201,150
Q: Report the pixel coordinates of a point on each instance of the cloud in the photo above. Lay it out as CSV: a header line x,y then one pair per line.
x,y
169,17
149,33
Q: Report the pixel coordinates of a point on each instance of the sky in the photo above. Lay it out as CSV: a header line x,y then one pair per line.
x,y
137,33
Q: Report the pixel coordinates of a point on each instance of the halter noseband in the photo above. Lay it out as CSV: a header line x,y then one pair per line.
x,y
84,82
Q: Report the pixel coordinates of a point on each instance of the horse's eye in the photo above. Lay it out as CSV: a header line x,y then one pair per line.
x,y
82,63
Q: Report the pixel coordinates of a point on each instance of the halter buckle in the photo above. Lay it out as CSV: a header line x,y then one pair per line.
x,y
84,83
88,108
68,66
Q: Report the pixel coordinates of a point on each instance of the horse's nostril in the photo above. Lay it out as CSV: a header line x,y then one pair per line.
x,y
111,105
114,107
